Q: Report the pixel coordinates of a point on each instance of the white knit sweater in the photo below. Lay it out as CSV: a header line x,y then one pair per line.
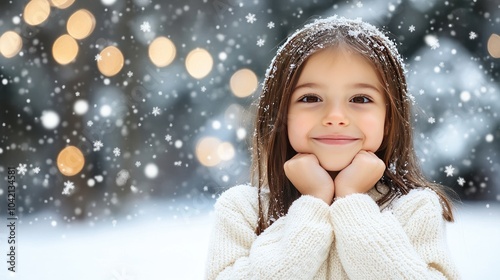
x,y
351,239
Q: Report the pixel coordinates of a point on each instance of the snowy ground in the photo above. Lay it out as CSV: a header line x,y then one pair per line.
x,y
150,247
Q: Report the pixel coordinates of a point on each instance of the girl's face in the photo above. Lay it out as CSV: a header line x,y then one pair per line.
x,y
337,108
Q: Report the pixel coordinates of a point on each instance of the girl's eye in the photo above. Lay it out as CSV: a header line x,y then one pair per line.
x,y
309,99
360,99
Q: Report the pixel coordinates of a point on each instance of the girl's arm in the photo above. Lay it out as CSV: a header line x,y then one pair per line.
x,y
293,247
407,243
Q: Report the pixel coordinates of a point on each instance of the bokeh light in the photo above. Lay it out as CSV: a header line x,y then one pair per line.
x,y
81,24
243,83
199,63
111,61
225,151
50,119
494,45
162,51
207,151
62,4
70,161
65,49
10,44
36,12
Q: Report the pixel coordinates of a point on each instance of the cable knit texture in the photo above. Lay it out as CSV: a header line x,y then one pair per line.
x,y
351,239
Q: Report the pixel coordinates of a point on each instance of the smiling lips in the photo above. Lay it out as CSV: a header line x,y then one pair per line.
x,y
336,139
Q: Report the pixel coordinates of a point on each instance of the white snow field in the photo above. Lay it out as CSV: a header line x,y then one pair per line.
x,y
150,247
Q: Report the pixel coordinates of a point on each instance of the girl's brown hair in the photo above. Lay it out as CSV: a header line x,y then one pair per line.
x,y
271,147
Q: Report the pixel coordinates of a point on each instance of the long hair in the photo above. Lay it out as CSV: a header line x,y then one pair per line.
x,y
271,147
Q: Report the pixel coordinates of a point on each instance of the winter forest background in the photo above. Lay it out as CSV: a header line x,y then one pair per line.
x,y
157,96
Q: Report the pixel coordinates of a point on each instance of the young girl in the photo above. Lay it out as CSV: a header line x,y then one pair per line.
x,y
338,193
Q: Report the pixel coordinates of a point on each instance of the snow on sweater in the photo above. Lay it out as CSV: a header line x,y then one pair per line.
x,y
351,239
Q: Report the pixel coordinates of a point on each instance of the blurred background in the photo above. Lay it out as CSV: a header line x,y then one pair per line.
x,y
125,120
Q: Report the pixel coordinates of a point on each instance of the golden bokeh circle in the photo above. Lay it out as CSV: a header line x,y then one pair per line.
x,y
199,63
10,44
111,61
70,161
65,49
243,82
36,12
161,51
80,24
494,45
207,151
62,4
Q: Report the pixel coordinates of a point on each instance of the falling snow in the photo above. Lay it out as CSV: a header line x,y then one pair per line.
x,y
260,42
270,25
98,57
461,181
472,35
449,170
250,18
156,111
69,187
98,145
145,27
411,28
21,169
36,170
116,152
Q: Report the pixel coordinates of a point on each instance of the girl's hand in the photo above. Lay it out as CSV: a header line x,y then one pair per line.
x,y
305,173
360,176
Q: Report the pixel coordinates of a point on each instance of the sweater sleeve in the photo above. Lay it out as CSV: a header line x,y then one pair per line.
x,y
405,243
293,247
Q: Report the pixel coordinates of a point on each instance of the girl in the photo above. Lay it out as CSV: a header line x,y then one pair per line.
x,y
333,113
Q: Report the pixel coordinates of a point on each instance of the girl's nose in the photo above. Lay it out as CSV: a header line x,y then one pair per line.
x,y
336,115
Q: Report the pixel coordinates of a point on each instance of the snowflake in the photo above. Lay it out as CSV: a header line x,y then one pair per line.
x,y
77,93
156,111
116,151
178,163
392,168
168,137
90,123
250,18
270,25
98,57
461,181
21,169
203,89
449,170
411,28
36,170
359,4
137,163
145,27
97,145
260,42
434,44
431,120
130,74
472,35
68,188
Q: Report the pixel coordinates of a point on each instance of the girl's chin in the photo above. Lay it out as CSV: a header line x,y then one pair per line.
x,y
334,166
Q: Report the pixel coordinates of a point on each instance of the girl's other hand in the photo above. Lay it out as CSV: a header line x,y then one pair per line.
x,y
306,174
360,176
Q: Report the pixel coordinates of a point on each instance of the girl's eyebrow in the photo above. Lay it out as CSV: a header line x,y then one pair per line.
x,y
306,85
368,86
356,86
